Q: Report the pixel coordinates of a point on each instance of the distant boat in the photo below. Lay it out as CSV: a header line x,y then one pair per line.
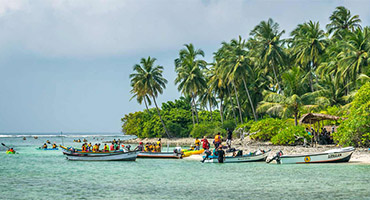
x,y
330,156
239,159
47,149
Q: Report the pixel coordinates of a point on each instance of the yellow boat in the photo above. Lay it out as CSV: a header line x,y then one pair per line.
x,y
194,152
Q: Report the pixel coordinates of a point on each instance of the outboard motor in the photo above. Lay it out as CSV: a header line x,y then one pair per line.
x,y
177,150
276,157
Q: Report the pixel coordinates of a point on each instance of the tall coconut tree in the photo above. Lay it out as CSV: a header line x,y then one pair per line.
x,y
356,57
148,78
290,101
222,58
140,94
190,77
218,86
341,22
267,41
308,44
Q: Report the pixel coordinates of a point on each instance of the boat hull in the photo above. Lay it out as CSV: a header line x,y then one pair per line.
x,y
238,159
168,155
124,156
332,156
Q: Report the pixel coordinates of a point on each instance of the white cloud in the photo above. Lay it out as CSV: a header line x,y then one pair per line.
x,y
81,28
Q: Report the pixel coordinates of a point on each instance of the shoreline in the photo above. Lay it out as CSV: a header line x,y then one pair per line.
x,y
359,156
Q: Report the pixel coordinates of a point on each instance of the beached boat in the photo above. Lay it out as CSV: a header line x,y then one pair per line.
x,y
330,156
159,155
244,158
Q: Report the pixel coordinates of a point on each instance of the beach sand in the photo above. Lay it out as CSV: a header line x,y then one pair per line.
x,y
360,156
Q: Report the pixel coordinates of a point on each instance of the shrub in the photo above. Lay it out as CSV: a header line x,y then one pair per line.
x,y
266,128
209,129
229,124
355,131
288,135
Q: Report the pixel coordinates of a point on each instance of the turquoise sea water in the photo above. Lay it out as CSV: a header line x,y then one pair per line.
x,y
35,174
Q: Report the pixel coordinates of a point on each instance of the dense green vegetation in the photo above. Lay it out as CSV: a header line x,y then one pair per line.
x,y
264,84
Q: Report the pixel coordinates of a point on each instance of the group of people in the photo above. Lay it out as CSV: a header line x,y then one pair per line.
x,y
150,147
115,146
324,137
216,142
45,146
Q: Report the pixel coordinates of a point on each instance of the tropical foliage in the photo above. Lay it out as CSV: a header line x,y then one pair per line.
x,y
268,75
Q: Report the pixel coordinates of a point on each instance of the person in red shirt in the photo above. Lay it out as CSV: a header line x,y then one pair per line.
x,y
205,143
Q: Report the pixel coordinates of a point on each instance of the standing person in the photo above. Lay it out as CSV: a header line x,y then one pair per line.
x,y
140,147
197,144
159,145
220,154
217,140
208,153
229,137
205,143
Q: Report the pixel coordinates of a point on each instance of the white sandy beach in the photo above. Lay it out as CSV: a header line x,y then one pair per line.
x,y
360,156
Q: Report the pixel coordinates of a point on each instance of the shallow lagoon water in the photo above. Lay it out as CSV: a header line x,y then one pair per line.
x,y
35,174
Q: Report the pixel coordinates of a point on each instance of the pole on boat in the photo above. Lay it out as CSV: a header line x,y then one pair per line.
x,y
168,147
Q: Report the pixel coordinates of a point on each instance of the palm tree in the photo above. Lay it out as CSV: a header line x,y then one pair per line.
x,y
266,39
239,66
355,59
291,101
149,80
341,22
218,87
223,63
140,94
207,97
308,43
190,77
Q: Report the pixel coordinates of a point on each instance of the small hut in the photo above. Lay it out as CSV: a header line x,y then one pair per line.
x,y
314,119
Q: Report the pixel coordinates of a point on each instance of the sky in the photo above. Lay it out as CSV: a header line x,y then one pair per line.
x,y
65,65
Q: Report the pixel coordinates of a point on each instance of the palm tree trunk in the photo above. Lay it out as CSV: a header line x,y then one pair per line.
x,y
160,117
192,113
221,112
277,80
250,100
195,109
237,101
210,110
146,105
232,106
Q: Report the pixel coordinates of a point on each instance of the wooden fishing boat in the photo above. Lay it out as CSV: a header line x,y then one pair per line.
x,y
330,156
256,157
118,156
159,155
99,156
